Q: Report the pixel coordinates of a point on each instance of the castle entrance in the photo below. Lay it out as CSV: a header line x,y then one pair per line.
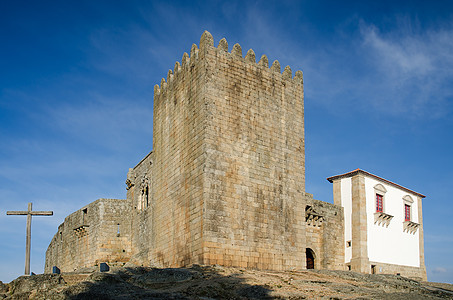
x,y
310,258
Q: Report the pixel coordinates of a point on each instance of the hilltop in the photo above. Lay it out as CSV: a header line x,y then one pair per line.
x,y
215,282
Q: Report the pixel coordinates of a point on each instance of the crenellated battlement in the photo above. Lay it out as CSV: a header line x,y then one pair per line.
x,y
225,182
206,44
228,146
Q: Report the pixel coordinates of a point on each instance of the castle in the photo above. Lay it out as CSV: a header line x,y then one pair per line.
x,y
225,184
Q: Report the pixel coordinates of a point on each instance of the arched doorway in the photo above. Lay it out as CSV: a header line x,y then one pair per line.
x,y
310,258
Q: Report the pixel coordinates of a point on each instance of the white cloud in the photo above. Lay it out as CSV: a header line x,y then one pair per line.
x,y
439,270
406,56
102,117
413,69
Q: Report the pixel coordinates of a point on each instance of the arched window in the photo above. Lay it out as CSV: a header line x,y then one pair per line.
x,y
310,258
144,196
146,202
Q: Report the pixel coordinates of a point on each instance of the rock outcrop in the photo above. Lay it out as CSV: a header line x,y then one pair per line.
x,y
215,282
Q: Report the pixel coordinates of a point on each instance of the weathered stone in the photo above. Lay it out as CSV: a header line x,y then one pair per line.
x,y
223,45
99,232
212,282
224,184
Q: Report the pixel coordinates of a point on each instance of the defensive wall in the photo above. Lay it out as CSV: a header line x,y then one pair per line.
x,y
99,232
225,182
229,169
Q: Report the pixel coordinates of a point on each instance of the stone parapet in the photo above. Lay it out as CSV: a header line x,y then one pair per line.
x,y
406,271
99,232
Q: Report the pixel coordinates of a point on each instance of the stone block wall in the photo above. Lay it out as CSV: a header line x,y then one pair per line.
x,y
99,232
254,171
416,273
140,195
325,236
229,166
225,182
179,149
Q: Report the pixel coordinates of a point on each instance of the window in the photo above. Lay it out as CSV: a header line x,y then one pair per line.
x,y
409,225
379,191
146,197
407,212
381,218
379,203
84,215
407,202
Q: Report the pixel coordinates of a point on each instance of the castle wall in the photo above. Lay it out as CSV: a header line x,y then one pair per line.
x,y
140,195
225,184
326,237
180,118
99,232
229,169
254,173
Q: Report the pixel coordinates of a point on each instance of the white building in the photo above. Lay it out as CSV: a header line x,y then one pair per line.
x,y
383,227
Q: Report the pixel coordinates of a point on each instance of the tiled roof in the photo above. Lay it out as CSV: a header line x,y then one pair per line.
x,y
357,171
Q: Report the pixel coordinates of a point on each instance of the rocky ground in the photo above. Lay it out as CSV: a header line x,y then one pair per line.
x,y
214,282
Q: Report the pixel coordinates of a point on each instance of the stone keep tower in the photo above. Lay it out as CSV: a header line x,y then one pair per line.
x,y
228,163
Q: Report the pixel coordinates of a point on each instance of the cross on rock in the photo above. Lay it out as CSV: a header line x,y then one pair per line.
x,y
29,213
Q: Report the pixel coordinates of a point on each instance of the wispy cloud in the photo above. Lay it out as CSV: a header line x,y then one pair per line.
x,y
413,69
439,270
406,56
103,118
402,72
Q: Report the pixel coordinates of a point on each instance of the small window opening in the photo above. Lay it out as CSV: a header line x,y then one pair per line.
x,y
84,215
118,230
348,244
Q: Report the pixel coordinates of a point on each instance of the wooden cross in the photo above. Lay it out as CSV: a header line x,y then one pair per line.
x,y
28,213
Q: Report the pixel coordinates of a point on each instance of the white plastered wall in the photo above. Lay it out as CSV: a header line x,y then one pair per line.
x,y
346,202
390,244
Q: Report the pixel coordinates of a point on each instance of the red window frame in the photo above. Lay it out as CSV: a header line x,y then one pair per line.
x,y
407,212
379,203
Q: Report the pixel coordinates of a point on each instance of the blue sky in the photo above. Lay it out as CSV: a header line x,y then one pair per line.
x,y
76,95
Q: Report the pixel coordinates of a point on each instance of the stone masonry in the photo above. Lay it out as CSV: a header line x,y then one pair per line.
x,y
99,232
224,183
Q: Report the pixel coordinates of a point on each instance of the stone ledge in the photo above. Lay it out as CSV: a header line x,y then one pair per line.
x,y
381,218
410,227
